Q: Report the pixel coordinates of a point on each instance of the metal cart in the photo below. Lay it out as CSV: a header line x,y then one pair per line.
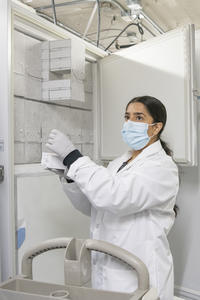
x,y
77,270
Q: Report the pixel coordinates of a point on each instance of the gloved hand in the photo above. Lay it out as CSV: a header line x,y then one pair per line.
x,y
59,143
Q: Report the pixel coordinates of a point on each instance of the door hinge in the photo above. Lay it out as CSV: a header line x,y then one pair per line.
x,y
1,173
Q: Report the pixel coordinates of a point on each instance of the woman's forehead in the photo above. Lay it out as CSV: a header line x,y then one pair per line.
x,y
137,107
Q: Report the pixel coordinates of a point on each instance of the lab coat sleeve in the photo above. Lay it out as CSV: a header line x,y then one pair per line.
x,y
76,197
152,186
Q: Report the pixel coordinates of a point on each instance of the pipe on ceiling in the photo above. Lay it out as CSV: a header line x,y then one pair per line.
x,y
50,19
116,3
99,21
90,20
54,12
152,23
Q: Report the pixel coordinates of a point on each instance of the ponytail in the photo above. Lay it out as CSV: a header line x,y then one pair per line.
x,y
166,148
170,153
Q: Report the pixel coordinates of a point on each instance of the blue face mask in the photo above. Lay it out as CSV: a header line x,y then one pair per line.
x,y
135,134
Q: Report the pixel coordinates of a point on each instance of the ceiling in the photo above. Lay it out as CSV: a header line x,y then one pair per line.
x,y
167,14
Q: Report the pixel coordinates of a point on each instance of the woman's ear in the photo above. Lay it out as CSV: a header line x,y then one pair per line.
x,y
158,127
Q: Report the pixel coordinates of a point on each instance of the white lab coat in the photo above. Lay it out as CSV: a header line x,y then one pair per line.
x,y
132,208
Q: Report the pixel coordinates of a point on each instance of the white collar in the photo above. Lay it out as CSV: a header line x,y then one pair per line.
x,y
150,150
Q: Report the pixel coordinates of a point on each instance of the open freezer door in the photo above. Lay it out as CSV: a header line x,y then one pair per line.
x,y
161,67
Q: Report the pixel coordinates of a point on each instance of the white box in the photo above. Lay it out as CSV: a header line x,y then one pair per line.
x,y
60,44
60,94
45,95
60,52
62,56
60,64
56,84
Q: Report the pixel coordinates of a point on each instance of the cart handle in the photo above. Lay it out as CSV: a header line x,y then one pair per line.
x,y
95,245
45,246
125,256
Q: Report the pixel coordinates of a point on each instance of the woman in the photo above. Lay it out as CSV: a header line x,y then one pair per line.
x,y
131,202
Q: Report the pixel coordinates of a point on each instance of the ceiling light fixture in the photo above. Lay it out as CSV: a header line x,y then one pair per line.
x,y
135,7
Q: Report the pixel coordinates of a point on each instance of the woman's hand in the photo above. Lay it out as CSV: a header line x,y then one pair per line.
x,y
59,143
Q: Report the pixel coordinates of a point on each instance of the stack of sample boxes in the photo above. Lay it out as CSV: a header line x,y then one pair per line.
x,y
63,70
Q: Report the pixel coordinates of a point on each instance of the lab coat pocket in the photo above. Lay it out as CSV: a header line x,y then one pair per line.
x,y
120,280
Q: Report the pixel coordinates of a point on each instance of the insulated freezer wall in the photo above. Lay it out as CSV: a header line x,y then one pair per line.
x,y
41,206
34,118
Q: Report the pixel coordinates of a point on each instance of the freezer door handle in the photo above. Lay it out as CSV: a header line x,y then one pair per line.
x,y
1,173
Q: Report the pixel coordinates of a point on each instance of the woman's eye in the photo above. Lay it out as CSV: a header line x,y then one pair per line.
x,y
139,118
126,117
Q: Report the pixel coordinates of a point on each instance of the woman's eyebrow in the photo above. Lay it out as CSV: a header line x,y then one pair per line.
x,y
138,113
135,113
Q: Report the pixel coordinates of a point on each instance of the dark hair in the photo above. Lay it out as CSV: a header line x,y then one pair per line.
x,y
158,112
